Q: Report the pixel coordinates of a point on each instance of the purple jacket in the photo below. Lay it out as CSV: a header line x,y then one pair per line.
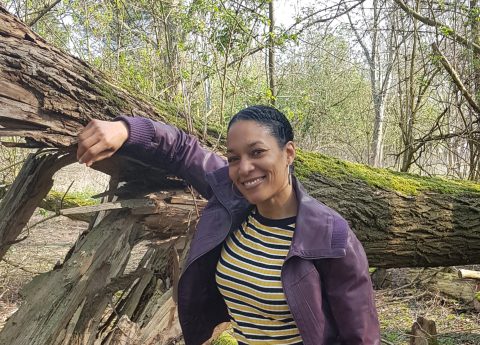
x,y
325,275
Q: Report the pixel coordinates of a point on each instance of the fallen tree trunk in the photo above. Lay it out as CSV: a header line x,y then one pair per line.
x,y
430,228
91,299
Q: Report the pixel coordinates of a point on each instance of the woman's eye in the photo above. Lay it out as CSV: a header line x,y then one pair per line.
x,y
257,152
232,159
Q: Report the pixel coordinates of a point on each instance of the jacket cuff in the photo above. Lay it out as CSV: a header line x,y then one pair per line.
x,y
141,132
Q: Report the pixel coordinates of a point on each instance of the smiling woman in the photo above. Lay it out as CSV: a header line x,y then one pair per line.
x,y
278,264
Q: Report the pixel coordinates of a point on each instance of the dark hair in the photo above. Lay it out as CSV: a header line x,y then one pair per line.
x,y
269,117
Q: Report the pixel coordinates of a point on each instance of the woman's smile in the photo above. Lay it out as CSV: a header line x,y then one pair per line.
x,y
252,183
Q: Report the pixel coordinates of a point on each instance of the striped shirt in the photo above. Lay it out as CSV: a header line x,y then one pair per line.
x,y
248,277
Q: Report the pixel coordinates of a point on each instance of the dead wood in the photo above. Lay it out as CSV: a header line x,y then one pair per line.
x,y
424,332
443,282
23,196
468,274
52,95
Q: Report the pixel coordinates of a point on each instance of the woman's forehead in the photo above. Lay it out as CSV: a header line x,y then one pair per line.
x,y
247,134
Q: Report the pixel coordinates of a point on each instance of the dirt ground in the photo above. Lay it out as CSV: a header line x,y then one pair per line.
x,y
48,242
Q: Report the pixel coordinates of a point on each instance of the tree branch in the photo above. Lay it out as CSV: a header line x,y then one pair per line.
x,y
263,45
447,31
43,12
456,79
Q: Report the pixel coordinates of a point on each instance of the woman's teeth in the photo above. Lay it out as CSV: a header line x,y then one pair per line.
x,y
253,183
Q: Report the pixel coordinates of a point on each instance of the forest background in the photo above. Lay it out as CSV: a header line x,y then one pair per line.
x,y
360,80
393,83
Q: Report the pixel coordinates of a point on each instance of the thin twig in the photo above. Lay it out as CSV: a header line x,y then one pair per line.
x,y
63,197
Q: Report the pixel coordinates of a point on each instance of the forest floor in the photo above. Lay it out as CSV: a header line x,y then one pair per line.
x,y
48,242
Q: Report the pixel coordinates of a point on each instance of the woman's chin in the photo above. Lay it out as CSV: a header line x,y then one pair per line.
x,y
253,198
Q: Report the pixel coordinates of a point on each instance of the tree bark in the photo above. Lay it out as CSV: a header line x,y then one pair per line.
x,y
424,332
47,95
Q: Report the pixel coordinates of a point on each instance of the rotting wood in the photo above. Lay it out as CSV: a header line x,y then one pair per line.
x,y
23,196
55,298
437,281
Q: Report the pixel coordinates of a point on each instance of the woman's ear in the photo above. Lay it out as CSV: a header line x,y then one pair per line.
x,y
290,150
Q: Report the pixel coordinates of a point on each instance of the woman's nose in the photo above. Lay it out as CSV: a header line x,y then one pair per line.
x,y
245,167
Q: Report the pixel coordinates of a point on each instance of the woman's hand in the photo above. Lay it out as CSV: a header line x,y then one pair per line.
x,y
100,140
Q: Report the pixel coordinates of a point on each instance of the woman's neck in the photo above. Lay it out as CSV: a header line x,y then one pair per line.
x,y
282,205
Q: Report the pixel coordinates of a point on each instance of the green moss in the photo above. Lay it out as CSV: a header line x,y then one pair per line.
x,y
75,199
225,339
477,296
108,92
309,164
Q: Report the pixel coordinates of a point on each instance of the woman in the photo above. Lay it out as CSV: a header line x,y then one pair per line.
x,y
281,266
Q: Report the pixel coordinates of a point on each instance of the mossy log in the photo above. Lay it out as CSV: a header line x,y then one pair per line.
x,y
402,220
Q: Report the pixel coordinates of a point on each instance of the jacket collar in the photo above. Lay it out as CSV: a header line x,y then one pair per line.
x,y
314,227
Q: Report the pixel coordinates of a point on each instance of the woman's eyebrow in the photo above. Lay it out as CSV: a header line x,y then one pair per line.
x,y
255,143
249,145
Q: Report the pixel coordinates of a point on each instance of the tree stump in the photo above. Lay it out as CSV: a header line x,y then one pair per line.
x,y
424,332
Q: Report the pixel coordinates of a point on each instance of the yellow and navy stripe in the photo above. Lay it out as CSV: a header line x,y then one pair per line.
x,y
248,277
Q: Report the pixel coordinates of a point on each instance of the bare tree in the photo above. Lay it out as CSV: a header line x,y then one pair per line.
x,y
379,50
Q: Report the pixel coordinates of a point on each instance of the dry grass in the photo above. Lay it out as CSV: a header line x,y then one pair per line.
x,y
398,310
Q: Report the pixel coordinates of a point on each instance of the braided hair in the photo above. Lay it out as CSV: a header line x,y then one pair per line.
x,y
270,118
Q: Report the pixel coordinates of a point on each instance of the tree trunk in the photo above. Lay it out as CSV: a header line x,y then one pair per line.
x,y
429,229
424,332
48,96
271,53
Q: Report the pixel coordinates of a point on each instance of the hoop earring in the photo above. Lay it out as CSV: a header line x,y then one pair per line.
x,y
236,193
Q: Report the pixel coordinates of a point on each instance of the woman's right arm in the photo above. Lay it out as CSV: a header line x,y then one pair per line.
x,y
151,142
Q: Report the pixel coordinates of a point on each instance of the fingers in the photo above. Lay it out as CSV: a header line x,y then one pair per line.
x,y
86,140
102,155
100,140
95,152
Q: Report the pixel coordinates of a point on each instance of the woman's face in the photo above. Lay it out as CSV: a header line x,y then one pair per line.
x,y
256,164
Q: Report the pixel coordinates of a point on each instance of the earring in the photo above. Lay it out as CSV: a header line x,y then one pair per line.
x,y
235,193
290,173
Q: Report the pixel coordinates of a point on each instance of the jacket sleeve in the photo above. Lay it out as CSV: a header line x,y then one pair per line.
x,y
349,291
170,148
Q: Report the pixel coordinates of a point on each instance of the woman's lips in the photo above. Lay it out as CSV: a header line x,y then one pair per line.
x,y
252,183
